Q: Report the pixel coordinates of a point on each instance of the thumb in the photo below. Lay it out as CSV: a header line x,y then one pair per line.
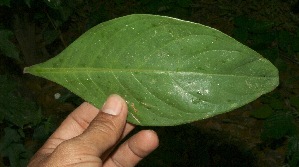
x,y
107,127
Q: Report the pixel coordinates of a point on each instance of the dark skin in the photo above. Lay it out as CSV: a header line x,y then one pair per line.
x,y
87,140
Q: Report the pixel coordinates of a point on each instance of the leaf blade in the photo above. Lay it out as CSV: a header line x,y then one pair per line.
x,y
171,72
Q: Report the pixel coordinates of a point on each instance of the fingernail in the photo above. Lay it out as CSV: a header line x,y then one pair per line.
x,y
113,105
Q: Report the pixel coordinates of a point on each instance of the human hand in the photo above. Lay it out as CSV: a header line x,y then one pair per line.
x,y
88,135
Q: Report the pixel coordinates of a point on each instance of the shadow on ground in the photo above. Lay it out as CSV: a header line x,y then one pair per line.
x,y
187,145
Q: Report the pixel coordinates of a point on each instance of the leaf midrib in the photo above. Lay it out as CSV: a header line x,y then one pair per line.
x,y
132,71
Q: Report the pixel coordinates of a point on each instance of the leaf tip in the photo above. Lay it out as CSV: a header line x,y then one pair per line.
x,y
26,71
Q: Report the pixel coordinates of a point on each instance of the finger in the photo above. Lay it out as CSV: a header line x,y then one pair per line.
x,y
128,128
134,149
106,128
76,122
85,147
72,126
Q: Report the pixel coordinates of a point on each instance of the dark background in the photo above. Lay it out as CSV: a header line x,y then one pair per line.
x,y
262,133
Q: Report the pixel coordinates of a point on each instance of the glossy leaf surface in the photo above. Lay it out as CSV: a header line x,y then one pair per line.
x,y
169,71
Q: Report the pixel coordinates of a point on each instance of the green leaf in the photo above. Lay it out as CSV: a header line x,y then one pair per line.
x,y
55,4
11,146
28,3
6,46
50,36
6,85
293,151
15,154
43,131
169,71
278,126
14,108
10,136
19,111
5,3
